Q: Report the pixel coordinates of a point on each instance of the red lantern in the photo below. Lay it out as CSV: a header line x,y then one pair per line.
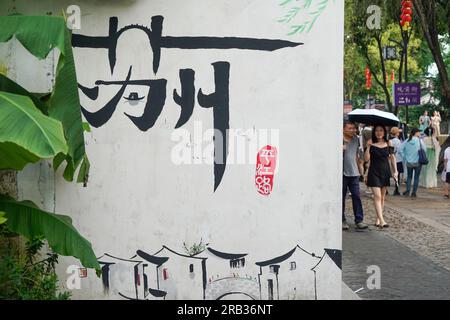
x,y
406,16
407,11
368,79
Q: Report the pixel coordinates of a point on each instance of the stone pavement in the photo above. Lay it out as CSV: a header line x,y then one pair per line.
x,y
413,254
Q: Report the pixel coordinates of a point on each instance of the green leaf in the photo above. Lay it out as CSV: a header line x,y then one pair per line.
x,y
86,127
83,174
69,172
64,103
39,35
10,86
2,217
28,220
26,135
60,157
15,157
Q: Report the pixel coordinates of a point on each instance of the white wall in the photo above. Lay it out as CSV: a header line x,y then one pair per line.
x,y
137,198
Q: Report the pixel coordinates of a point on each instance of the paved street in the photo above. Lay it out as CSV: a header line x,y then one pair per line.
x,y
413,255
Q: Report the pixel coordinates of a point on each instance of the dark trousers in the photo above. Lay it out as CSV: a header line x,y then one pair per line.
x,y
416,171
352,184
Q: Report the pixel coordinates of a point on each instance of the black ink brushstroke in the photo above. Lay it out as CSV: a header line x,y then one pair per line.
x,y
204,278
157,41
223,43
187,98
91,93
277,259
105,276
235,292
136,280
145,279
157,293
227,256
336,256
220,102
156,99
128,298
100,117
151,258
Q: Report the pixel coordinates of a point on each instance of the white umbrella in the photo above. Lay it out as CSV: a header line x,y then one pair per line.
x,y
373,117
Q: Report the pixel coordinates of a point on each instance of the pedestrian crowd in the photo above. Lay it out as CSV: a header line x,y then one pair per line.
x,y
376,156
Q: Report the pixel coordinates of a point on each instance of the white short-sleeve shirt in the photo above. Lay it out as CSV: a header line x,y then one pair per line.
x,y
447,157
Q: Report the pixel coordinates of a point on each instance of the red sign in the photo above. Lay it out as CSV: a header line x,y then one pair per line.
x,y
266,162
368,79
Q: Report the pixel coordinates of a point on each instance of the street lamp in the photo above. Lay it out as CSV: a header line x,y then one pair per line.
x,y
389,53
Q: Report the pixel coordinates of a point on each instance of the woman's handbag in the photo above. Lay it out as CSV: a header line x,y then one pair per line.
x,y
423,160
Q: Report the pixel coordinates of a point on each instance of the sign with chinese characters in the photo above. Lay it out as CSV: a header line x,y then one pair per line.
x,y
266,164
407,94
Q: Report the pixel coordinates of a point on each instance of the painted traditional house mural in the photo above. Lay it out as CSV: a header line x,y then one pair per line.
x,y
216,275
123,278
288,276
230,276
327,274
182,276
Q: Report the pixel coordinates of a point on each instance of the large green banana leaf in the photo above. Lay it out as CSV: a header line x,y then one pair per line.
x,y
26,134
10,86
27,219
39,35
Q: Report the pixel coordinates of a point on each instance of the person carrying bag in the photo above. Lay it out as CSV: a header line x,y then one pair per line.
x,y
411,151
423,160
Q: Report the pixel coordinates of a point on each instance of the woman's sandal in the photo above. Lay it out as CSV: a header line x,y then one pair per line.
x,y
384,226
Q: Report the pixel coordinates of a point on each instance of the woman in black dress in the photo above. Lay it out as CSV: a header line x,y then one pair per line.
x,y
381,159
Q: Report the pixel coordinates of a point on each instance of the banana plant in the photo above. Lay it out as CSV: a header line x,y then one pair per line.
x,y
41,126
40,35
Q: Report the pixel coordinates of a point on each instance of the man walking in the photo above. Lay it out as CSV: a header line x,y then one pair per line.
x,y
353,169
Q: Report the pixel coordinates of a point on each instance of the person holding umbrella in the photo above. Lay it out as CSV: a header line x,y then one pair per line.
x,y
381,162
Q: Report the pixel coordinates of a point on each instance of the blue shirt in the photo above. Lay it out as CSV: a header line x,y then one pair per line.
x,y
410,150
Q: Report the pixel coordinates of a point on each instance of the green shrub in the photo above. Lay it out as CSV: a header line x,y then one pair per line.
x,y
25,272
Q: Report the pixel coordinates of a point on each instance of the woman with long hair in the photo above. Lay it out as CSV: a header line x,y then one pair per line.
x,y
428,176
410,152
436,124
381,162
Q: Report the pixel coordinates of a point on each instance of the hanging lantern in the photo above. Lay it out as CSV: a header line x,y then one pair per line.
x,y
406,16
368,79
